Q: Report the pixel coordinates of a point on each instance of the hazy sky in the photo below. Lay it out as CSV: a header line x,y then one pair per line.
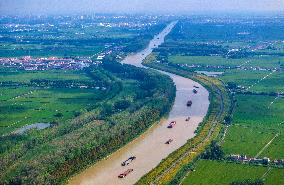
x,y
136,6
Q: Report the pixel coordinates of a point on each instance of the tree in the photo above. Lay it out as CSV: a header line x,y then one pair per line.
x,y
121,104
227,120
213,152
58,115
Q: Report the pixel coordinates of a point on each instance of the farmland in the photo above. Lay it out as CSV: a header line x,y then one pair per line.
x,y
23,104
256,122
251,66
120,102
225,173
256,61
56,122
73,36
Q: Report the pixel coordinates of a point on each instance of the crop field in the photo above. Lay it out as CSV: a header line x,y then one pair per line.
x,y
11,50
218,172
205,60
91,113
191,30
61,41
44,106
256,61
248,140
257,110
70,38
24,105
258,81
275,176
26,76
255,124
275,150
252,65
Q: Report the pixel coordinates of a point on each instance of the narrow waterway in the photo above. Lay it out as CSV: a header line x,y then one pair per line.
x,y
150,148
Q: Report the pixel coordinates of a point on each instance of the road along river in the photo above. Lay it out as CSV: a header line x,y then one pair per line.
x,y
150,147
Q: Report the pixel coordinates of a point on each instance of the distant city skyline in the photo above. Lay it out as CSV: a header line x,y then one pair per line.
x,y
138,6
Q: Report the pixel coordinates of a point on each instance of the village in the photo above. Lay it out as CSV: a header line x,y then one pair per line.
x,y
254,160
29,63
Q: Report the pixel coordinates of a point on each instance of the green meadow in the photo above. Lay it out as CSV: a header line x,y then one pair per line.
x,y
218,172
256,61
255,122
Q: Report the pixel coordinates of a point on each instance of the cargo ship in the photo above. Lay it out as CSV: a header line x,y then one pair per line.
x,y
124,174
172,124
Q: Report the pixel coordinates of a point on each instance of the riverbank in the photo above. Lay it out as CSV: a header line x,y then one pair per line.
x,y
150,148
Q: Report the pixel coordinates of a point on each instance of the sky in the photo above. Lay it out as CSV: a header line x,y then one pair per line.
x,y
137,6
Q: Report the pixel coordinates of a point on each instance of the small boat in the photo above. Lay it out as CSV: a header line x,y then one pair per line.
x,y
169,141
124,174
128,161
189,103
172,124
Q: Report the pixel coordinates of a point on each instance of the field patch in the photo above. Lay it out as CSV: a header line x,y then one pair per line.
x,y
256,109
247,140
214,172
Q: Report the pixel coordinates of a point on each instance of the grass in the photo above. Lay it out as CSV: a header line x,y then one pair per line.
x,y
215,172
180,157
205,60
256,61
76,141
26,76
275,150
27,105
256,110
254,125
274,177
273,83
255,121
247,140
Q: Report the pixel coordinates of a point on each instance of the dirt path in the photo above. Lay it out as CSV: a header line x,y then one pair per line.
x,y
150,148
267,145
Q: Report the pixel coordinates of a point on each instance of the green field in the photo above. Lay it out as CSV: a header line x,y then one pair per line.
x,y
206,60
249,140
256,110
65,38
255,123
275,150
214,172
256,61
25,105
87,123
253,75
273,83
66,42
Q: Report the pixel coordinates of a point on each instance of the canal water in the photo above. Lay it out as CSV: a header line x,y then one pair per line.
x,y
150,147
